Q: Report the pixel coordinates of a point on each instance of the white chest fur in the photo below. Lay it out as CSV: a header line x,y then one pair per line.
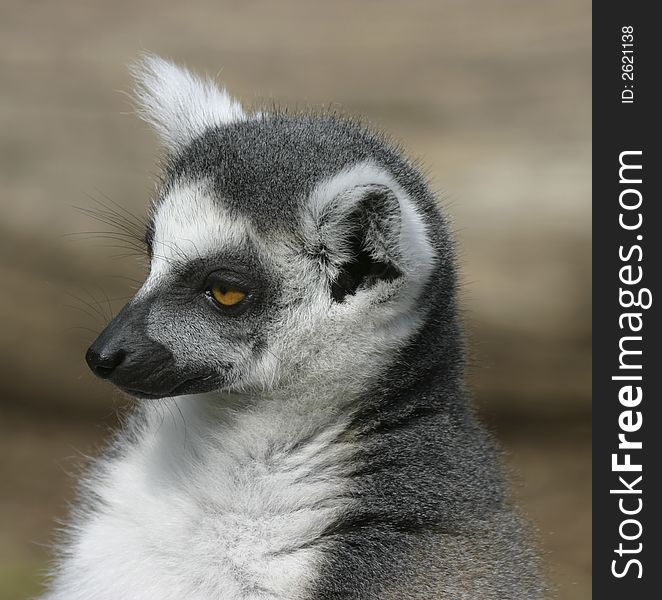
x,y
208,505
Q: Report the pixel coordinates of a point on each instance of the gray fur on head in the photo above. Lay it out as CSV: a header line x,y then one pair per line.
x,y
326,448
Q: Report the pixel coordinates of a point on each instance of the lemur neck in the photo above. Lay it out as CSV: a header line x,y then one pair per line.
x,y
425,378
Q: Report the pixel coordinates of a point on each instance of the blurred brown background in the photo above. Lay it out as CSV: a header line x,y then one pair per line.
x,y
493,96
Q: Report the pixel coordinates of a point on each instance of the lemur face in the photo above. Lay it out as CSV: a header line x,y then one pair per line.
x,y
285,251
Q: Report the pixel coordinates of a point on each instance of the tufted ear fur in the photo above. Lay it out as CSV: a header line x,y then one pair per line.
x,y
362,242
179,104
367,230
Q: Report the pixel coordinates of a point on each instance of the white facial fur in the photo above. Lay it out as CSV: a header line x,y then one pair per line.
x,y
190,224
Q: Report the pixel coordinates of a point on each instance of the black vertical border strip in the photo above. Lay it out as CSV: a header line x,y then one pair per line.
x,y
619,127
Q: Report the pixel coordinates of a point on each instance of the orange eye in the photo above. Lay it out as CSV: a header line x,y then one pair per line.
x,y
227,296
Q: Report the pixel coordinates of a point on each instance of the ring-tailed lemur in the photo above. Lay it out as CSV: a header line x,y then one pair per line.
x,y
300,312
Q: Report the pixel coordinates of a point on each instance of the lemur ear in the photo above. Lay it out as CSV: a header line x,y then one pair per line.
x,y
366,229
364,241
179,104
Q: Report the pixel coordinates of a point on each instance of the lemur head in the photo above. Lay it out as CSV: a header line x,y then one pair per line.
x,y
285,250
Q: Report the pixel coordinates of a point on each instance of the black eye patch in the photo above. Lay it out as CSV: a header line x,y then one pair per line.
x,y
196,273
212,277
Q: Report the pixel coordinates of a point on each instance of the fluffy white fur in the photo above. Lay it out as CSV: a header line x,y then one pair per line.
x,y
179,104
212,503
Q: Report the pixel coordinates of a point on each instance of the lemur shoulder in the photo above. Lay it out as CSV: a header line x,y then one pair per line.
x,y
300,314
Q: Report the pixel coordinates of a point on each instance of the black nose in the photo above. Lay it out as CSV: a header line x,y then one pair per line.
x,y
103,364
